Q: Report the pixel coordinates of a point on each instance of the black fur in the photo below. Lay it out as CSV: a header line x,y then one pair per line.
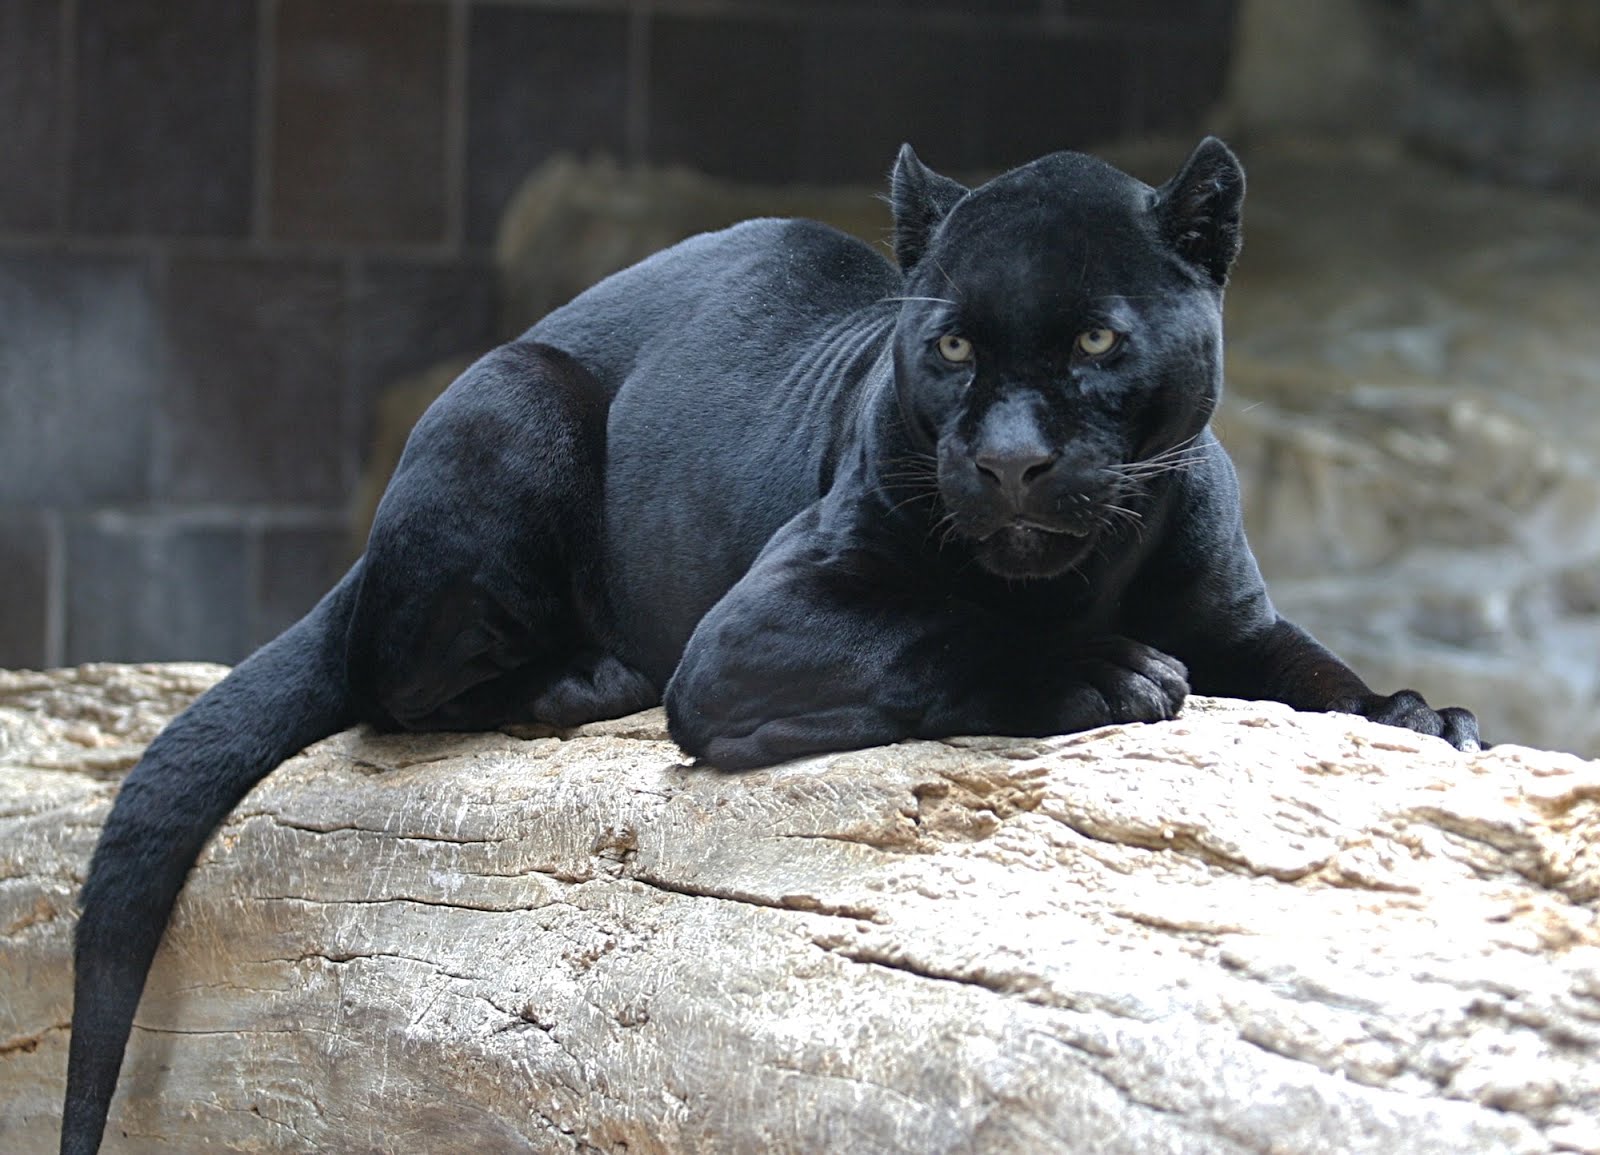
x,y
743,475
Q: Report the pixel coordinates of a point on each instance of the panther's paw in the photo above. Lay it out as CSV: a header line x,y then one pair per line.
x,y
1127,681
1410,711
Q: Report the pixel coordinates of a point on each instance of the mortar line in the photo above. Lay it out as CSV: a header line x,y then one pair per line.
x,y
55,594
350,404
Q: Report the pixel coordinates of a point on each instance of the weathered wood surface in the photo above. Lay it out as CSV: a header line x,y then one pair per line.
x,y
1244,931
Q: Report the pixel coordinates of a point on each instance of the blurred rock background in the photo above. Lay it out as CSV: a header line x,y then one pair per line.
x,y
242,244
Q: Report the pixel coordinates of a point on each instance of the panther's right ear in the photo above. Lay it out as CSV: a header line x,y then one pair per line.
x,y
1199,209
921,198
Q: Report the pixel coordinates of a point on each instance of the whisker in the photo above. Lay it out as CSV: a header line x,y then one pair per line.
x,y
935,300
1112,515
1182,456
913,498
1147,469
1186,455
946,274
1182,450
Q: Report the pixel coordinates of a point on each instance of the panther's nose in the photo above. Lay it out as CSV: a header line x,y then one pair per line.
x,y
1014,471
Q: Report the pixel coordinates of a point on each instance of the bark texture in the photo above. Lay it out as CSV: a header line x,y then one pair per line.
x,y
1247,930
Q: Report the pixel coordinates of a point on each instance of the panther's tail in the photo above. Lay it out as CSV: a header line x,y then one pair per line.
x,y
286,695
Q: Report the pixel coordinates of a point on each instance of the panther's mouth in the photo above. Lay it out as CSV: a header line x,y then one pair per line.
x,y
1023,548
1021,529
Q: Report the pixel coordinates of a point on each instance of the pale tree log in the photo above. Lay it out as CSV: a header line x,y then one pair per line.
x,y
1247,930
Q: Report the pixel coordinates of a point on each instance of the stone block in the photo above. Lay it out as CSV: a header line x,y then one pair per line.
x,y
25,604
165,117
79,341
408,315
1210,17
143,589
831,103
255,398
539,83
359,122
725,97
867,90
1045,93
297,566
1176,82
974,10
30,131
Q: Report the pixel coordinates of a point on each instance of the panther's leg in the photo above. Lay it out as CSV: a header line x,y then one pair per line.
x,y
822,647
1280,661
597,684
582,687
480,603
1201,597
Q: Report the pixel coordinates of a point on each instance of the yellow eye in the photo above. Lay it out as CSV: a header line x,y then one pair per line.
x,y
955,349
1097,342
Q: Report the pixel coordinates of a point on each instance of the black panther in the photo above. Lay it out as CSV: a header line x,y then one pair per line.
x,y
810,499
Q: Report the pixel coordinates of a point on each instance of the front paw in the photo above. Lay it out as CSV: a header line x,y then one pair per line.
x,y
1122,680
1410,711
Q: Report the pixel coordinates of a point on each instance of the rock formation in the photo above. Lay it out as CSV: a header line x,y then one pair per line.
x,y
1247,930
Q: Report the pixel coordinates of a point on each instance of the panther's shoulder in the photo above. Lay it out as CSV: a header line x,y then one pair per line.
x,y
812,242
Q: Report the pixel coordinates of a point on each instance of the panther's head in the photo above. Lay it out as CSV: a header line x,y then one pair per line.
x,y
1060,340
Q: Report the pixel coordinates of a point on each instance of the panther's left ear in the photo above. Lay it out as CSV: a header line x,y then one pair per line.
x,y
1199,208
921,198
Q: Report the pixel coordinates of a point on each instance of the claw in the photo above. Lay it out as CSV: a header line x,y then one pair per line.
x,y
1408,710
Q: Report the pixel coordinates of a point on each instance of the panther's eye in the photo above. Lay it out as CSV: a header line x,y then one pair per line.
x,y
956,350
1097,342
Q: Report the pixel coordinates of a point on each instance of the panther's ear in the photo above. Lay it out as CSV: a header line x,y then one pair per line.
x,y
1199,208
921,198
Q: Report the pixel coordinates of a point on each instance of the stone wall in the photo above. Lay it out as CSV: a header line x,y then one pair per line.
x,y
225,226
